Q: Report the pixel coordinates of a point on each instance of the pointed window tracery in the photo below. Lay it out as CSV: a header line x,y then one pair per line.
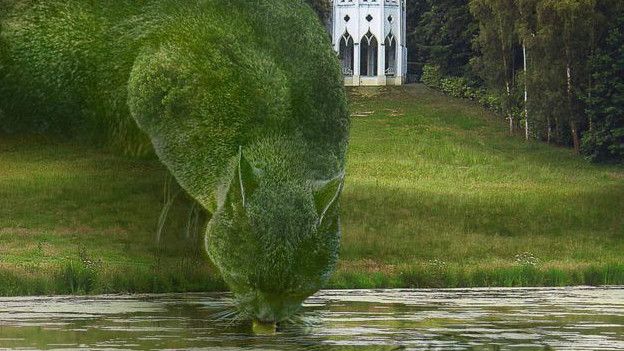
x,y
391,54
368,55
346,53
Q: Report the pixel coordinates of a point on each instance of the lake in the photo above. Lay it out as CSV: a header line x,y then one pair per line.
x,y
429,319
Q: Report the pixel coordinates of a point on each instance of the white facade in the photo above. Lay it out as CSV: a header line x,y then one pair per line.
x,y
369,37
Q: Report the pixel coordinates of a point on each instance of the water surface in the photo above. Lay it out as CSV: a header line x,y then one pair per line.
x,y
448,319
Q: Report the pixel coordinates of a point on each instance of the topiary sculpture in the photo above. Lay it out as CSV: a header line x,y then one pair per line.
x,y
242,101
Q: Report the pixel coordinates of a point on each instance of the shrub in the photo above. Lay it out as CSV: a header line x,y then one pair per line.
x,y
460,87
456,87
603,144
432,76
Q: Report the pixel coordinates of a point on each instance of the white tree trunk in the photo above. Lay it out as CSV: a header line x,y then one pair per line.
x,y
549,130
526,94
573,122
510,114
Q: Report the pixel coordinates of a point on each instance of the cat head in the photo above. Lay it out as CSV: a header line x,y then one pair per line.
x,y
274,241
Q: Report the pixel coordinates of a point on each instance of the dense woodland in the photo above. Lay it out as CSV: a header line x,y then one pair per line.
x,y
554,69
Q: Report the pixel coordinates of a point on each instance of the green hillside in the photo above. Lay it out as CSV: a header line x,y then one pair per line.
x,y
437,195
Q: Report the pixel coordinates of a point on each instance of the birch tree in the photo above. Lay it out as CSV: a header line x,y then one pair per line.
x,y
496,40
526,29
565,31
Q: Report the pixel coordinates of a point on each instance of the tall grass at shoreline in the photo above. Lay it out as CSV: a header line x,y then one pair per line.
x,y
437,196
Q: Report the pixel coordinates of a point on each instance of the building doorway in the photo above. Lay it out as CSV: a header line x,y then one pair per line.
x,y
368,55
391,55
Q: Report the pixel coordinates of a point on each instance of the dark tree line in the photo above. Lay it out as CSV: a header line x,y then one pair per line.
x,y
604,139
321,7
441,31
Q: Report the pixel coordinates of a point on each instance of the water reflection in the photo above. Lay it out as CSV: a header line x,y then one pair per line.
x,y
475,319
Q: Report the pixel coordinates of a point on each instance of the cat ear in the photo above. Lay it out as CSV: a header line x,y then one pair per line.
x,y
244,181
326,194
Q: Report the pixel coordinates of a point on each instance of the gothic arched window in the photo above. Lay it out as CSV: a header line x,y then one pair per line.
x,y
346,53
391,55
368,55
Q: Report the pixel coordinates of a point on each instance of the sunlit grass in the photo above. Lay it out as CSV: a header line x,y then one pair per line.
x,y
437,195
75,219
437,179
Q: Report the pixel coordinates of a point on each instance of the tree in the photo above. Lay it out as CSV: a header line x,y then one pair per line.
x,y
526,27
321,7
443,35
605,103
564,34
417,56
496,44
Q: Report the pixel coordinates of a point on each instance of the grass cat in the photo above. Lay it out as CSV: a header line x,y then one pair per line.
x,y
242,101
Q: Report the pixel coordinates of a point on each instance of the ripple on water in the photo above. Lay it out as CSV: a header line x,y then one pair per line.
x,y
428,319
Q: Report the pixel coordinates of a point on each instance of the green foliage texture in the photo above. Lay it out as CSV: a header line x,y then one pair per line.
x,y
605,103
460,87
241,100
321,7
441,32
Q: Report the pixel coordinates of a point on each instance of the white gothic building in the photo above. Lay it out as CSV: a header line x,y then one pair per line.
x,y
369,37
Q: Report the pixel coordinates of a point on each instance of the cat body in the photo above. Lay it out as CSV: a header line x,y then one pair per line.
x,y
242,101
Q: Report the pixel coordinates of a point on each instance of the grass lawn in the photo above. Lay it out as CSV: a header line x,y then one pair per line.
x,y
437,195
